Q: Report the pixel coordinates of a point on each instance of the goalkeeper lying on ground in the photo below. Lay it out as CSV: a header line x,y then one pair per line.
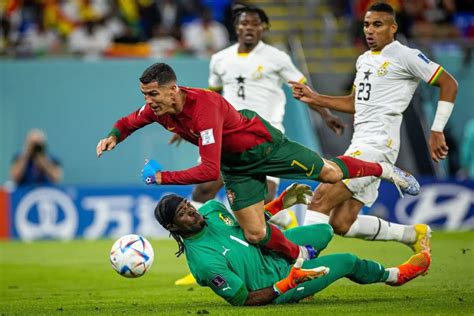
x,y
244,274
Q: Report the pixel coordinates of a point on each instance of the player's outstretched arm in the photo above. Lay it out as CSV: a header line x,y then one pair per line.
x,y
305,94
448,91
106,144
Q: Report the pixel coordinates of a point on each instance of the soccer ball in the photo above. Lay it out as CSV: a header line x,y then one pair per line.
x,y
131,256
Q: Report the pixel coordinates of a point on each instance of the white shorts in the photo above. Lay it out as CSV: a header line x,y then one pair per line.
x,y
365,189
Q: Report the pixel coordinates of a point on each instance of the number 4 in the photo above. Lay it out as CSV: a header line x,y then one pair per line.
x,y
241,92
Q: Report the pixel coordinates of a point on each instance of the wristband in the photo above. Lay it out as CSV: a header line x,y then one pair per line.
x,y
115,132
443,112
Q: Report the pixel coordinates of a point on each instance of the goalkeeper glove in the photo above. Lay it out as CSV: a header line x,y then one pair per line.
x,y
298,276
294,194
149,171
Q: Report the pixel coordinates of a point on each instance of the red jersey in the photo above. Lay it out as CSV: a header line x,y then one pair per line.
x,y
208,121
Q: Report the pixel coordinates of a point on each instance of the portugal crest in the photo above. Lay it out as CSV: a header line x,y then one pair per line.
x,y
230,196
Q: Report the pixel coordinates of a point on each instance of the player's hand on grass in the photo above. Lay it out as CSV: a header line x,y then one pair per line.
x,y
150,170
298,276
175,139
302,92
438,147
334,123
105,144
296,193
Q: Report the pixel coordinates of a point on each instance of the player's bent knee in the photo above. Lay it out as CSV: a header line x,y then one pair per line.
x,y
340,227
349,261
202,194
200,197
328,232
325,234
330,175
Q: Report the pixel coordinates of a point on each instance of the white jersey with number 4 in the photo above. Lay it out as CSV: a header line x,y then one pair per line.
x,y
254,81
384,86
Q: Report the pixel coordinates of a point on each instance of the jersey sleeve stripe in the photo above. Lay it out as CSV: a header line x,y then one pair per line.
x,y
115,132
302,80
436,75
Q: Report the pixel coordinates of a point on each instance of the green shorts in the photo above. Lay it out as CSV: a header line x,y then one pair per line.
x,y
246,185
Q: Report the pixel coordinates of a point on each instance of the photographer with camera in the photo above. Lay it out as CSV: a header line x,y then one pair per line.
x,y
34,165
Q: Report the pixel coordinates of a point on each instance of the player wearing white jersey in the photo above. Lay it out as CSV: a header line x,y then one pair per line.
x,y
386,79
254,80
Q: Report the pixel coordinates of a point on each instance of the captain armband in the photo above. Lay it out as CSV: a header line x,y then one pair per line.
x,y
443,112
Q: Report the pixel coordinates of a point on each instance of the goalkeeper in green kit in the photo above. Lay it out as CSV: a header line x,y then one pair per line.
x,y
219,256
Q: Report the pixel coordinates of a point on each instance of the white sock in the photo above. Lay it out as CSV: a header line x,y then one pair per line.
x,y
373,228
392,275
314,217
281,218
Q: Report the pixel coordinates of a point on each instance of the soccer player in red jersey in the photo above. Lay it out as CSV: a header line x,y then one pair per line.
x,y
240,145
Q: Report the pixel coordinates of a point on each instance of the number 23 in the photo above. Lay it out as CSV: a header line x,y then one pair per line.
x,y
364,87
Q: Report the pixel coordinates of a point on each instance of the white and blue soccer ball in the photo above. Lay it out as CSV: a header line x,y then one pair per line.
x,y
131,256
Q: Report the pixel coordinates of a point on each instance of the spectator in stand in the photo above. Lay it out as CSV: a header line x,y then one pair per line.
x,y
222,13
34,165
90,40
205,36
162,44
38,40
170,12
149,18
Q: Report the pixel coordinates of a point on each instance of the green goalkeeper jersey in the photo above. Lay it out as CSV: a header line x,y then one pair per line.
x,y
221,258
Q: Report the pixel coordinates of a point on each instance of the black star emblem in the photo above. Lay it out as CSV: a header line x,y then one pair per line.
x,y
367,74
240,79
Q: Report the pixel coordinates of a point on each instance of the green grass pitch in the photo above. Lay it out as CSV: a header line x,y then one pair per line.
x,y
75,278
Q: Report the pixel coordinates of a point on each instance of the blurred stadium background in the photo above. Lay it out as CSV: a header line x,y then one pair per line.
x,y
71,68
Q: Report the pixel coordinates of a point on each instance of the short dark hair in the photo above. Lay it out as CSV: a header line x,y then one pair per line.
x,y
159,72
240,8
382,7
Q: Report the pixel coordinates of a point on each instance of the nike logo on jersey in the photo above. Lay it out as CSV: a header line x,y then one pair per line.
x,y
141,109
227,288
311,171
